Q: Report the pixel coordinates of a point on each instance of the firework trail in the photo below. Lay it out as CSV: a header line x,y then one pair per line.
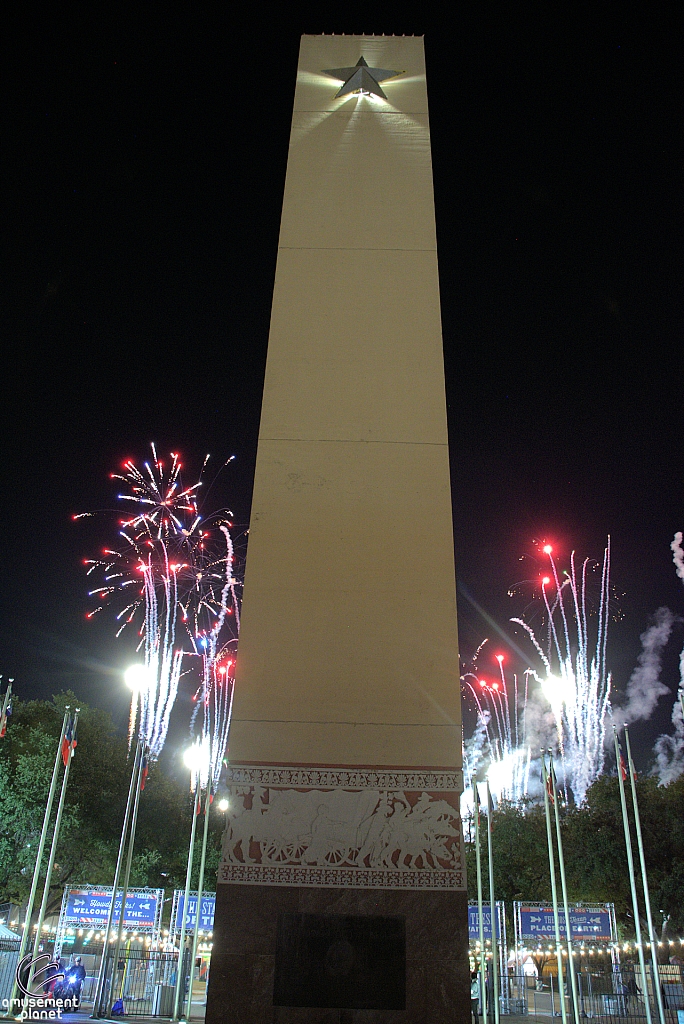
x,y
215,694
501,729
576,683
474,755
163,571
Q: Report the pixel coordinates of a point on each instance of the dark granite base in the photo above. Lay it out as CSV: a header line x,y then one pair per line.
x,y
243,959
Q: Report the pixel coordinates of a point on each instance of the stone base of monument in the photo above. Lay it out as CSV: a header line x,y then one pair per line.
x,y
305,955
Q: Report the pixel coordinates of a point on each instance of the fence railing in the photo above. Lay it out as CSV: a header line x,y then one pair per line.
x,y
145,982
612,996
9,955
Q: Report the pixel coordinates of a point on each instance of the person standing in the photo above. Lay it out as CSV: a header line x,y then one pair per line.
x,y
475,997
76,977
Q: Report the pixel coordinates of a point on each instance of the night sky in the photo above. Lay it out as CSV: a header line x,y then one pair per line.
x,y
144,163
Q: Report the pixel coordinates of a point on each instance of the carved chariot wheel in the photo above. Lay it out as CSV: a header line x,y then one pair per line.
x,y
282,853
337,856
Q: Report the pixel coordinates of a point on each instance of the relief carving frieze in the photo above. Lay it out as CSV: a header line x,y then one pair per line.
x,y
355,834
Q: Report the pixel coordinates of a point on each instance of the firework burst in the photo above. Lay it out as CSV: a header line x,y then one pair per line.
x,y
575,681
215,694
500,734
164,572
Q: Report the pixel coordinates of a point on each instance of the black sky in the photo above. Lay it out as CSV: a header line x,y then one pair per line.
x,y
144,161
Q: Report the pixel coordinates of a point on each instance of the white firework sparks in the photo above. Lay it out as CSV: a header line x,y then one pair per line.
x,y
500,734
215,695
575,681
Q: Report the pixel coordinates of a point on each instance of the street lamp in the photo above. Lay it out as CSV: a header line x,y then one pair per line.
x,y
196,759
136,678
192,757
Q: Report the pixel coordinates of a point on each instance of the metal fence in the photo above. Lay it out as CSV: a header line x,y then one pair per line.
x,y
9,954
612,996
145,981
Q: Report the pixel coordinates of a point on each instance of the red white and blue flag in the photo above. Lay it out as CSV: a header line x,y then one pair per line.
x,y
623,770
6,712
69,741
5,709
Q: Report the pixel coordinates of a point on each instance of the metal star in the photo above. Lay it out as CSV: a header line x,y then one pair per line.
x,y
362,79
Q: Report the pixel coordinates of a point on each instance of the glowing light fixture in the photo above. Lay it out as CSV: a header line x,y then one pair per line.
x,y
136,678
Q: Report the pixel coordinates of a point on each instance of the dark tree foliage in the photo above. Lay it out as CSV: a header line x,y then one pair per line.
x,y
595,854
95,803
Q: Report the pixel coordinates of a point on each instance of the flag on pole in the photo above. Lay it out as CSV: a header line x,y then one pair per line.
x,y
144,772
623,770
69,742
3,719
5,709
490,809
550,788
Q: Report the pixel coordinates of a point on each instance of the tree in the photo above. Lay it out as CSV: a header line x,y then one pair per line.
x,y
94,810
595,855
519,850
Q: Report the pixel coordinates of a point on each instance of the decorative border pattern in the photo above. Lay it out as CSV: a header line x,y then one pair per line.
x,y
255,874
345,778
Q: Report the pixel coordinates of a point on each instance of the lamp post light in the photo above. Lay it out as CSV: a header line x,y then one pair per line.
x,y
193,760
136,678
200,893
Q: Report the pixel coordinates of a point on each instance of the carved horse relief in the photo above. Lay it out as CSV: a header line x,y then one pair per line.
x,y
333,828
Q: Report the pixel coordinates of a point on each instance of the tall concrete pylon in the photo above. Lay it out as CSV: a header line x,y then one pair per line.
x,y
342,884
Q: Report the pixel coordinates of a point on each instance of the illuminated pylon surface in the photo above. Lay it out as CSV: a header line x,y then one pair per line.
x,y
343,844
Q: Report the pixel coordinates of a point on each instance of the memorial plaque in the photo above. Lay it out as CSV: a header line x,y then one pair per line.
x,y
338,962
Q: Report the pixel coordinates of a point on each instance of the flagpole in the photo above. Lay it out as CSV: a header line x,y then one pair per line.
x,y
564,889
55,840
200,886
139,783
184,915
554,892
644,880
117,871
39,857
492,907
478,861
632,879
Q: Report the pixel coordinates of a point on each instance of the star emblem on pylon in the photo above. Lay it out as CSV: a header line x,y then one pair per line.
x,y
361,79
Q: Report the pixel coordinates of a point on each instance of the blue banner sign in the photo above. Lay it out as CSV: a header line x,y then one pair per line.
x,y
474,923
586,924
206,920
91,907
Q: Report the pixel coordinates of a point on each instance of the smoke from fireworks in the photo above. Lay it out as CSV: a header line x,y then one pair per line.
x,y
644,687
669,750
